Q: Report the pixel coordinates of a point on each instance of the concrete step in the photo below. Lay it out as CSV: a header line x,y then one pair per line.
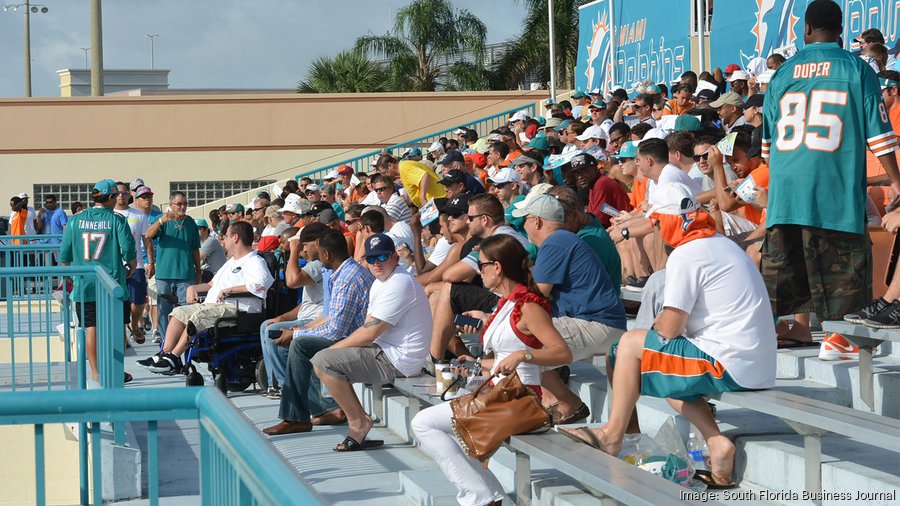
x,y
844,375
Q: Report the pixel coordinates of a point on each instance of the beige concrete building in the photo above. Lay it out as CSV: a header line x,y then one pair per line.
x,y
213,146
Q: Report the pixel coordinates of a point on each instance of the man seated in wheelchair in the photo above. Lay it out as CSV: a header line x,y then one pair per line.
x,y
240,285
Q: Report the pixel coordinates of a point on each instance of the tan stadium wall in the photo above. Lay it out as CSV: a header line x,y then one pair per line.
x,y
217,137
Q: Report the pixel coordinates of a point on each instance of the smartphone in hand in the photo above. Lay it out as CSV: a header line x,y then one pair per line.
x,y
463,320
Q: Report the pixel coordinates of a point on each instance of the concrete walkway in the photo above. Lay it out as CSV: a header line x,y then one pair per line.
x,y
369,477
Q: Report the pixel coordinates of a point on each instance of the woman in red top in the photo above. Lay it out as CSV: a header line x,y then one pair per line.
x,y
522,337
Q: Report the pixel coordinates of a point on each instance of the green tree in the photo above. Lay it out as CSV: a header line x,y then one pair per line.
x,y
347,72
427,35
530,53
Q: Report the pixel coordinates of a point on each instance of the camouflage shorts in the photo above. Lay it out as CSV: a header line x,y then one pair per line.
x,y
809,269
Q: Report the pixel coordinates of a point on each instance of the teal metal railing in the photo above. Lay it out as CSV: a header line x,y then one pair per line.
x,y
362,163
37,307
237,466
32,254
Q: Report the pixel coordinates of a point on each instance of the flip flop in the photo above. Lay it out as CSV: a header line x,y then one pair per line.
x,y
351,445
137,333
593,441
790,342
707,478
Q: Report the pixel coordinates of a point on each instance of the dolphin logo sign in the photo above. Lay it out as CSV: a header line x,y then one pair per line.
x,y
598,47
774,27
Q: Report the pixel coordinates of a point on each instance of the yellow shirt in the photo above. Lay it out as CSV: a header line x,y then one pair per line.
x,y
411,174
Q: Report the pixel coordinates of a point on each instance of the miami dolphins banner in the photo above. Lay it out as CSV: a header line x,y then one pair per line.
x,y
652,42
746,29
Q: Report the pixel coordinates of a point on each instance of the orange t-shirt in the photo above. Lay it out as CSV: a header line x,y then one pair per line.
x,y
17,225
760,176
638,192
672,107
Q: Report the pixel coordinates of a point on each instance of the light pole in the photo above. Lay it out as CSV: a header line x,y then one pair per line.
x,y
552,51
152,37
28,9
96,58
86,49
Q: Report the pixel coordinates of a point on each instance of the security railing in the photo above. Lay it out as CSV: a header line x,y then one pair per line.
x,y
37,310
237,466
363,162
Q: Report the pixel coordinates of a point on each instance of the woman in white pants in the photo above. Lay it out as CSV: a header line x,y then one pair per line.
x,y
521,336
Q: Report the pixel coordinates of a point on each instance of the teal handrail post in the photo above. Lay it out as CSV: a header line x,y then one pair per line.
x,y
237,465
482,126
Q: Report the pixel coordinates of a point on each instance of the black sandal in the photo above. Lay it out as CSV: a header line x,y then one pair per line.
x,y
351,445
707,478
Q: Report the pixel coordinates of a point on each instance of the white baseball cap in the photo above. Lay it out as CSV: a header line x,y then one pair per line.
x,y
435,146
656,133
738,75
23,195
294,204
593,132
331,175
505,175
313,188
518,116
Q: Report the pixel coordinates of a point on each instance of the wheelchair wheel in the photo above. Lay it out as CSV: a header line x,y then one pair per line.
x,y
262,379
192,378
221,382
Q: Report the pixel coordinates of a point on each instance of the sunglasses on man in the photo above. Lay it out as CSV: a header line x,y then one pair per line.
x,y
704,156
377,258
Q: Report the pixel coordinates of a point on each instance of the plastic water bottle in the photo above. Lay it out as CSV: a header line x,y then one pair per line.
x,y
325,393
696,448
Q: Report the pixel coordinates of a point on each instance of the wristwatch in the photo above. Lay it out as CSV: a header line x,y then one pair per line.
x,y
625,233
528,356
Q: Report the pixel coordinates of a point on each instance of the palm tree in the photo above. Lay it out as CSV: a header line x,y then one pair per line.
x,y
529,54
347,72
427,35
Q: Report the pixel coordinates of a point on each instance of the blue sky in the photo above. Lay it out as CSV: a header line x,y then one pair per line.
x,y
208,43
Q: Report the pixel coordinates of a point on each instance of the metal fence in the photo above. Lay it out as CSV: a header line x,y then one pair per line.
x,y
37,313
363,162
237,466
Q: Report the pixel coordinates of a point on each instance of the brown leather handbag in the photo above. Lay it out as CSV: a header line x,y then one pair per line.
x,y
483,420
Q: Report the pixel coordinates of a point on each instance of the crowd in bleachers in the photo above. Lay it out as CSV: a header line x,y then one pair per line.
x,y
532,230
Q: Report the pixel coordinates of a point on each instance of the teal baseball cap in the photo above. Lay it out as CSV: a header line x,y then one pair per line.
x,y
579,94
629,150
106,187
235,208
201,223
597,104
562,126
686,123
539,142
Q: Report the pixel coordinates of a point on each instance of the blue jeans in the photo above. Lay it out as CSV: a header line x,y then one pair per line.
x,y
169,286
301,393
276,356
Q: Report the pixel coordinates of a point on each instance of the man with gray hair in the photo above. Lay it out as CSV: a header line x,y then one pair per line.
x,y
586,306
177,256
388,198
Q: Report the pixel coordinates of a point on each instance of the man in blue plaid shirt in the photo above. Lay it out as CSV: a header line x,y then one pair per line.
x,y
301,394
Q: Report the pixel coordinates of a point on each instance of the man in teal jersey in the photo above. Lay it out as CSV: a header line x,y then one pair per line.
x,y
98,236
823,108
177,257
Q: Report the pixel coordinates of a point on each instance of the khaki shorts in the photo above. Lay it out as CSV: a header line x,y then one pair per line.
x,y
204,316
357,365
151,290
586,338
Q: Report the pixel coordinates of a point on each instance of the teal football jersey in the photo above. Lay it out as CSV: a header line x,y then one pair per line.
x,y
823,109
97,236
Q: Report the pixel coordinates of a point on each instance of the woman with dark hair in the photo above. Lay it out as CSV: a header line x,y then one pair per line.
x,y
214,222
521,337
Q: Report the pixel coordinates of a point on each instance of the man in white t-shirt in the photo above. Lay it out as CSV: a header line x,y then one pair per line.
x,y
715,333
393,341
138,222
244,280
